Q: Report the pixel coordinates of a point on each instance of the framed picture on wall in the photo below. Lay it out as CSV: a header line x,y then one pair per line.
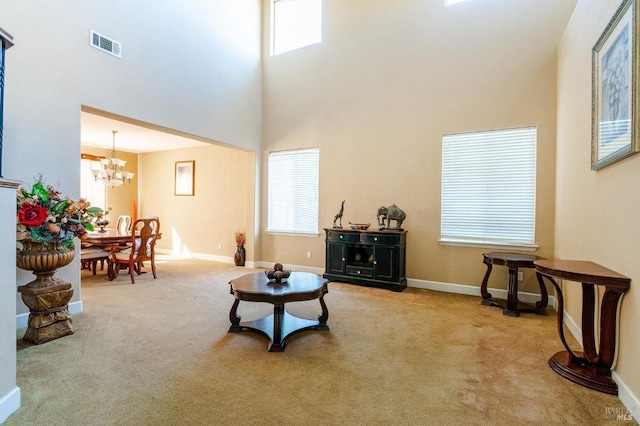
x,y
614,134
185,176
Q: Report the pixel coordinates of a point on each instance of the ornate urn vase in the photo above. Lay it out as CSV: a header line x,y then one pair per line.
x,y
239,256
47,296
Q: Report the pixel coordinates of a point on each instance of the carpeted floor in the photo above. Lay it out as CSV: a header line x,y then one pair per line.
x,y
158,353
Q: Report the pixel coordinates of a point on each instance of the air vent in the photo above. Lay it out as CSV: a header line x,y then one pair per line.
x,y
105,44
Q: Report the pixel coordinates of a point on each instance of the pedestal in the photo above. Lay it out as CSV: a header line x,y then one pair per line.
x,y
47,296
49,316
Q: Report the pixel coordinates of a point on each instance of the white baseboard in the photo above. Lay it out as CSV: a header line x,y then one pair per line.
x,y
295,268
471,290
205,256
627,397
573,327
9,403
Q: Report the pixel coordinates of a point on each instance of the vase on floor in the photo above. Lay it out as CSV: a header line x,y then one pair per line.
x,y
47,296
239,256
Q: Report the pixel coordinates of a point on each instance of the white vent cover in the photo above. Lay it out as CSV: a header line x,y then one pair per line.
x,y
105,44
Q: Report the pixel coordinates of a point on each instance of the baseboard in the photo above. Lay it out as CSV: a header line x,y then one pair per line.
x,y
628,398
573,327
205,256
9,403
471,290
295,268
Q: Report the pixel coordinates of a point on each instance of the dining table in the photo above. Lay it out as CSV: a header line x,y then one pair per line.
x,y
108,238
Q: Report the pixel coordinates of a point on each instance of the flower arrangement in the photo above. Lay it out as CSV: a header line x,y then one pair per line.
x,y
241,239
43,215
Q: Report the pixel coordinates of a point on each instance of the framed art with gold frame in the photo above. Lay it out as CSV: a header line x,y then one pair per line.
x,y
614,134
185,176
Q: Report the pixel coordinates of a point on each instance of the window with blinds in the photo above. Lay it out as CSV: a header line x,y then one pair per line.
x,y
489,187
293,191
295,24
94,192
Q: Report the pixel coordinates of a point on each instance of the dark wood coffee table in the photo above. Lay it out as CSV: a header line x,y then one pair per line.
x,y
281,324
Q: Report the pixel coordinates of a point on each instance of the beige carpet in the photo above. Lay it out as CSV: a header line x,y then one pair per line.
x,y
158,353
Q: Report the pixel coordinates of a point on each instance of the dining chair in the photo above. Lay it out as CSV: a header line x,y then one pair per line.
x,y
91,255
152,223
144,233
123,224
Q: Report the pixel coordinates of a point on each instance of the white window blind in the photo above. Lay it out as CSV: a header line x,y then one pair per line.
x,y
295,24
488,187
293,191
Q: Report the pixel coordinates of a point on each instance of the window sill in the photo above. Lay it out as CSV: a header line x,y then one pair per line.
x,y
292,234
488,244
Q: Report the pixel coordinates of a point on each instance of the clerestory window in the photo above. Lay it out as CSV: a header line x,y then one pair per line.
x,y
295,24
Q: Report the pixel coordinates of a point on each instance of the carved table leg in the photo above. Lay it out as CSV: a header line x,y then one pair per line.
x,y
560,321
322,318
486,296
588,333
541,305
512,293
277,344
608,322
234,318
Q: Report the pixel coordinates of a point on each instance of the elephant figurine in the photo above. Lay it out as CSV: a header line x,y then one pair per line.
x,y
390,213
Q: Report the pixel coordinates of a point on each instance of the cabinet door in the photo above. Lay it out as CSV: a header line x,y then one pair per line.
x,y
335,258
385,266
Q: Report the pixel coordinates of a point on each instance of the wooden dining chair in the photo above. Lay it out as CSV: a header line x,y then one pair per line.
x,y
91,255
144,233
124,223
152,223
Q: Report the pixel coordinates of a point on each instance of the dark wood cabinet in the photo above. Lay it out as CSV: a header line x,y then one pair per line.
x,y
370,258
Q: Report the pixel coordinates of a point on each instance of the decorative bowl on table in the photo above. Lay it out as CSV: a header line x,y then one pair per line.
x,y
277,274
360,226
102,222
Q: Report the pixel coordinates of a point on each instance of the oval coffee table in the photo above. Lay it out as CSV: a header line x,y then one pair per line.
x,y
281,324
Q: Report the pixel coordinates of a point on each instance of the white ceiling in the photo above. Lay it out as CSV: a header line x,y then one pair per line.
x,y
97,130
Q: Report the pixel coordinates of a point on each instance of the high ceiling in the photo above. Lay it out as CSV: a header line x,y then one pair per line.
x,y
97,131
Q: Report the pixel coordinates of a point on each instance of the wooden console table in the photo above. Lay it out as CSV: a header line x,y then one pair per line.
x,y
590,368
513,261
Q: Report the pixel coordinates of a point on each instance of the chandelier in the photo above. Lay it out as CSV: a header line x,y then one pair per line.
x,y
111,171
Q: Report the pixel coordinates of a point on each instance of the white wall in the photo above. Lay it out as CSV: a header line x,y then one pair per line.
x,y
52,71
192,66
9,391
